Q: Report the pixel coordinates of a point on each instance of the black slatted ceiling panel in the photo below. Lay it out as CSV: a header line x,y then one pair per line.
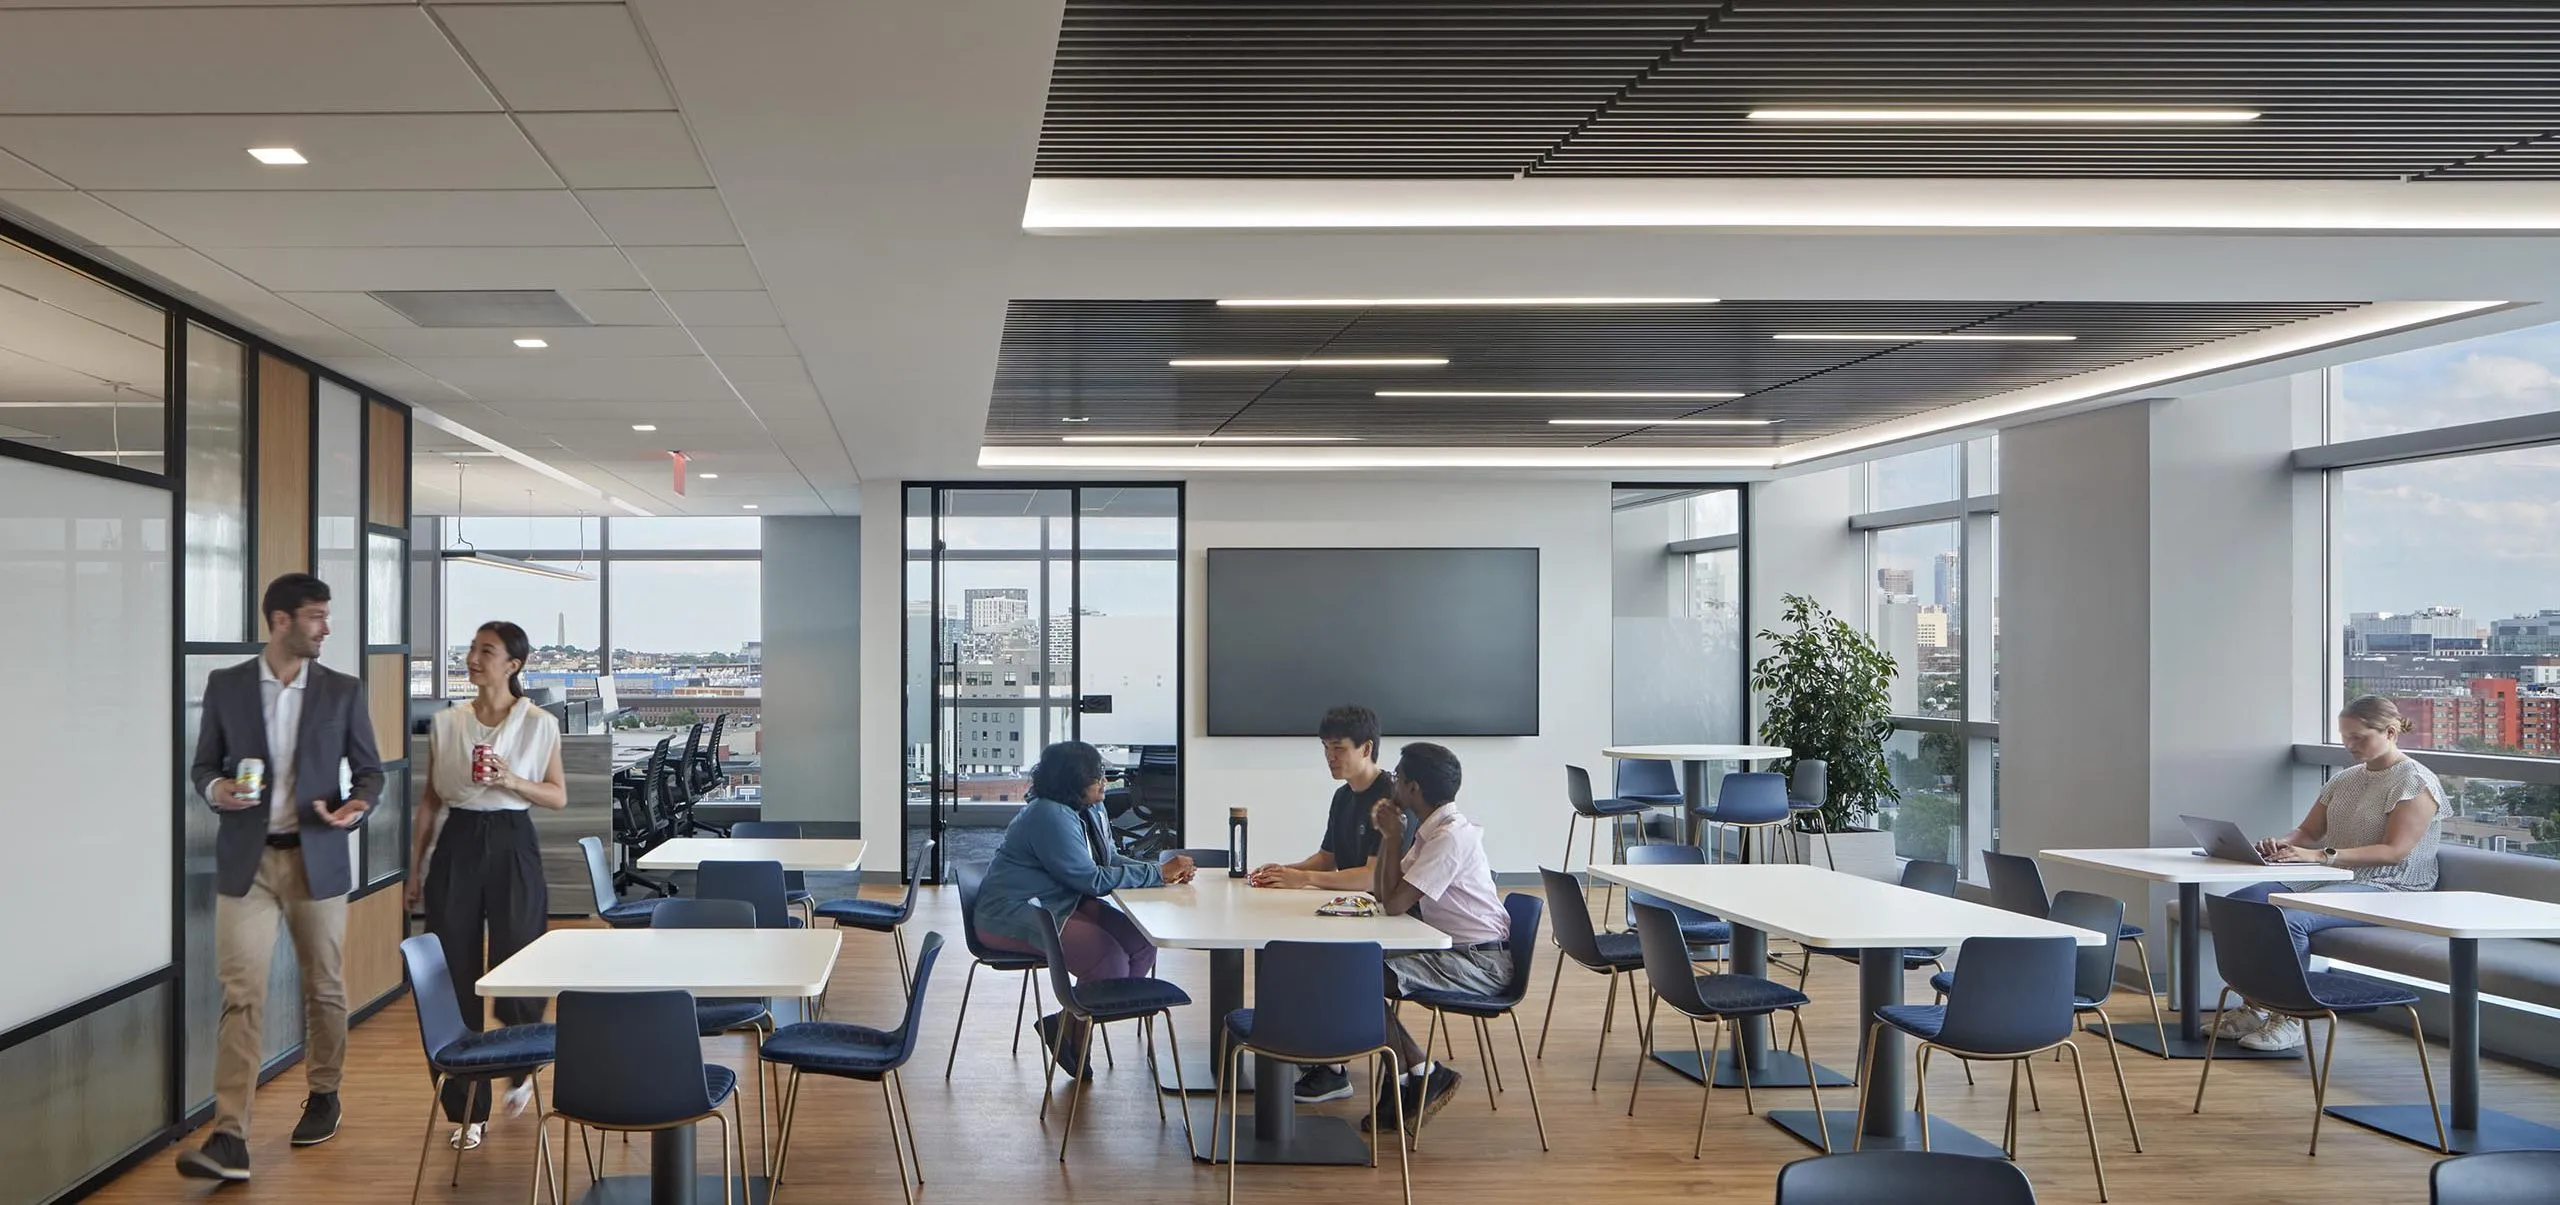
x,y
2349,89
1105,362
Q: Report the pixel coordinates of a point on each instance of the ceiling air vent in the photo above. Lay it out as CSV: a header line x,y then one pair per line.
x,y
483,307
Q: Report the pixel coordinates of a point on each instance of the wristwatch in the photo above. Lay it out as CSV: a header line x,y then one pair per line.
x,y
2329,855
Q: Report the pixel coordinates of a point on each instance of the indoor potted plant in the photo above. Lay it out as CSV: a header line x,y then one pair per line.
x,y
1826,694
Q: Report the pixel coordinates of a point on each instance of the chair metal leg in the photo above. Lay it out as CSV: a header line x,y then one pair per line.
x,y
1020,1000
2089,1116
1554,981
2159,1020
963,1020
2428,1072
1797,1031
2320,1077
1147,1034
898,940
2107,1031
541,1161
1484,1054
1235,1105
1920,1073
1707,1066
2212,1037
2009,1124
898,1084
1644,1055
790,1113
2035,1099
1181,1091
1744,1066
435,1104
889,1104
1526,1077
1075,1086
1866,1075
1608,1016
1404,1150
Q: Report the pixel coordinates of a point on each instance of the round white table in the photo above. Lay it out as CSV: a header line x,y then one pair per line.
x,y
1693,761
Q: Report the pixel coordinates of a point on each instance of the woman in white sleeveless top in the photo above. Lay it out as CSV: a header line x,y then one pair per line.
x,y
483,883
2381,818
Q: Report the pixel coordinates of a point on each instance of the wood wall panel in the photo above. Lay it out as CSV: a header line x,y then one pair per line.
x,y
386,685
387,471
375,925
284,474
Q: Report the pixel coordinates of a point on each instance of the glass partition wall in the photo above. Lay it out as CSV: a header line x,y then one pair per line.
x,y
1037,614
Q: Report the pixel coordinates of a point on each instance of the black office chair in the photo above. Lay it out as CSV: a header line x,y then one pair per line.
x,y
2017,885
632,1061
637,827
1524,910
2496,1178
795,885
708,775
1903,1178
969,875
881,916
1610,954
687,792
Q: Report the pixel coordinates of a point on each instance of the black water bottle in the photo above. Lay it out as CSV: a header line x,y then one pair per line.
x,y
1235,843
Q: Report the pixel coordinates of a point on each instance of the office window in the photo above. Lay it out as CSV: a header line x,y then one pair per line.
x,y
688,534
560,533
1918,590
83,365
560,618
688,643
1915,478
1676,600
2495,376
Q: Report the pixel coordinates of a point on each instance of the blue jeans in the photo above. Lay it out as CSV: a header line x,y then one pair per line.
x,y
2303,924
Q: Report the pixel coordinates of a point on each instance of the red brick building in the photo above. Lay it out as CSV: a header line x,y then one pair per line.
x,y
2538,724
2488,714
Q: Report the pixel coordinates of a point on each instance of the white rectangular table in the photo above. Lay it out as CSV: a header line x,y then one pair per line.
x,y
795,853
2190,870
1226,917
707,962
1693,760
2464,919
1828,910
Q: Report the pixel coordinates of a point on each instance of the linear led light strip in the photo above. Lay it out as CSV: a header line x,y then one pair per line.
x,y
1661,422
1274,303
1317,362
2010,116
1658,395
1208,439
1914,337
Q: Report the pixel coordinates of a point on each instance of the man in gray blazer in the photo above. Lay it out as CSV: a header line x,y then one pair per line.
x,y
282,855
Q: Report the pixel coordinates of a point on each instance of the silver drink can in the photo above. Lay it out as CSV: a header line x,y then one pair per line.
x,y
251,778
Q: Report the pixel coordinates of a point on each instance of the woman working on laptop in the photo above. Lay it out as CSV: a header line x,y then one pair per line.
x,y
2380,818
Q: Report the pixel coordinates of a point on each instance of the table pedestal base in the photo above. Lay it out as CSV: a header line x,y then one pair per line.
x,y
1945,1137
2410,1123
1781,1070
2144,1037
1313,1139
637,1190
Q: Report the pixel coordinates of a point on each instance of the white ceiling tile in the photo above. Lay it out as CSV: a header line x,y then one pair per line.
x,y
767,393
723,308
696,268
555,412
18,173
92,222
620,307
352,269
353,311
392,377
662,217
389,150
560,57
513,218
232,60
570,342
745,340
616,150
762,369
516,378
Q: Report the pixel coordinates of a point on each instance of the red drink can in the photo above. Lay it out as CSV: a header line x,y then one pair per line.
x,y
482,757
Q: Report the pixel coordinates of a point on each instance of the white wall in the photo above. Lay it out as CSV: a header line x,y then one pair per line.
x,y
882,766
812,667
1514,785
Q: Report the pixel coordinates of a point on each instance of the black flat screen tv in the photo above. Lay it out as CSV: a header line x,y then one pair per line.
x,y
1437,641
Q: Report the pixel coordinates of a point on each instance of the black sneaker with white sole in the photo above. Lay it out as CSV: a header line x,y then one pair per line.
x,y
1319,1084
319,1119
222,1157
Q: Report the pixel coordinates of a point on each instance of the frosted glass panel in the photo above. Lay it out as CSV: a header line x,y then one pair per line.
x,y
217,506
83,368
386,597
84,582
74,1099
1676,636
338,475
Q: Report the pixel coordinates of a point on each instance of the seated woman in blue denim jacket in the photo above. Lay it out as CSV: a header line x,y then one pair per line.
x,y
2381,818
1058,851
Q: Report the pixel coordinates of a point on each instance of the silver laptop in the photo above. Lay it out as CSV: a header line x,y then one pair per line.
x,y
2222,839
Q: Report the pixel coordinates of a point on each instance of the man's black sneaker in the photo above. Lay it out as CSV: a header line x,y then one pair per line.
x,y
319,1119
1438,1088
1064,1040
223,1157
1319,1084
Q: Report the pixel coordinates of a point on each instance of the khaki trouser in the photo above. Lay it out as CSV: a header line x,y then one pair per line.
x,y
244,944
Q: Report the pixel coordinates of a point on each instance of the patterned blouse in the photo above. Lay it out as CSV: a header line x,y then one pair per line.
x,y
2360,804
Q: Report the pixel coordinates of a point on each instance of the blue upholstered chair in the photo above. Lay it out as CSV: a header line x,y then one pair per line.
x,y
632,1062
1524,911
1316,1002
881,916
718,1015
795,885
1707,936
2093,978
2017,885
862,1053
2254,953
1903,1178
2495,1178
1651,783
1613,812
610,907
969,875
758,883
1722,999
1610,954
1095,1003
1808,785
454,1051
1918,874
1755,803
2012,1001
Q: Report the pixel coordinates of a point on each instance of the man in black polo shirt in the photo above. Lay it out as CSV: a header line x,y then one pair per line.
x,y
1350,736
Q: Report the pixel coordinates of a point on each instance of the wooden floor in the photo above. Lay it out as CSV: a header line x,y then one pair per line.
x,y
983,1142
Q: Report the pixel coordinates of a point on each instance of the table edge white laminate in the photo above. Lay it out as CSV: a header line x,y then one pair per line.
x,y
660,859
541,989
2345,904
2179,864
1697,752
1417,935
2008,924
